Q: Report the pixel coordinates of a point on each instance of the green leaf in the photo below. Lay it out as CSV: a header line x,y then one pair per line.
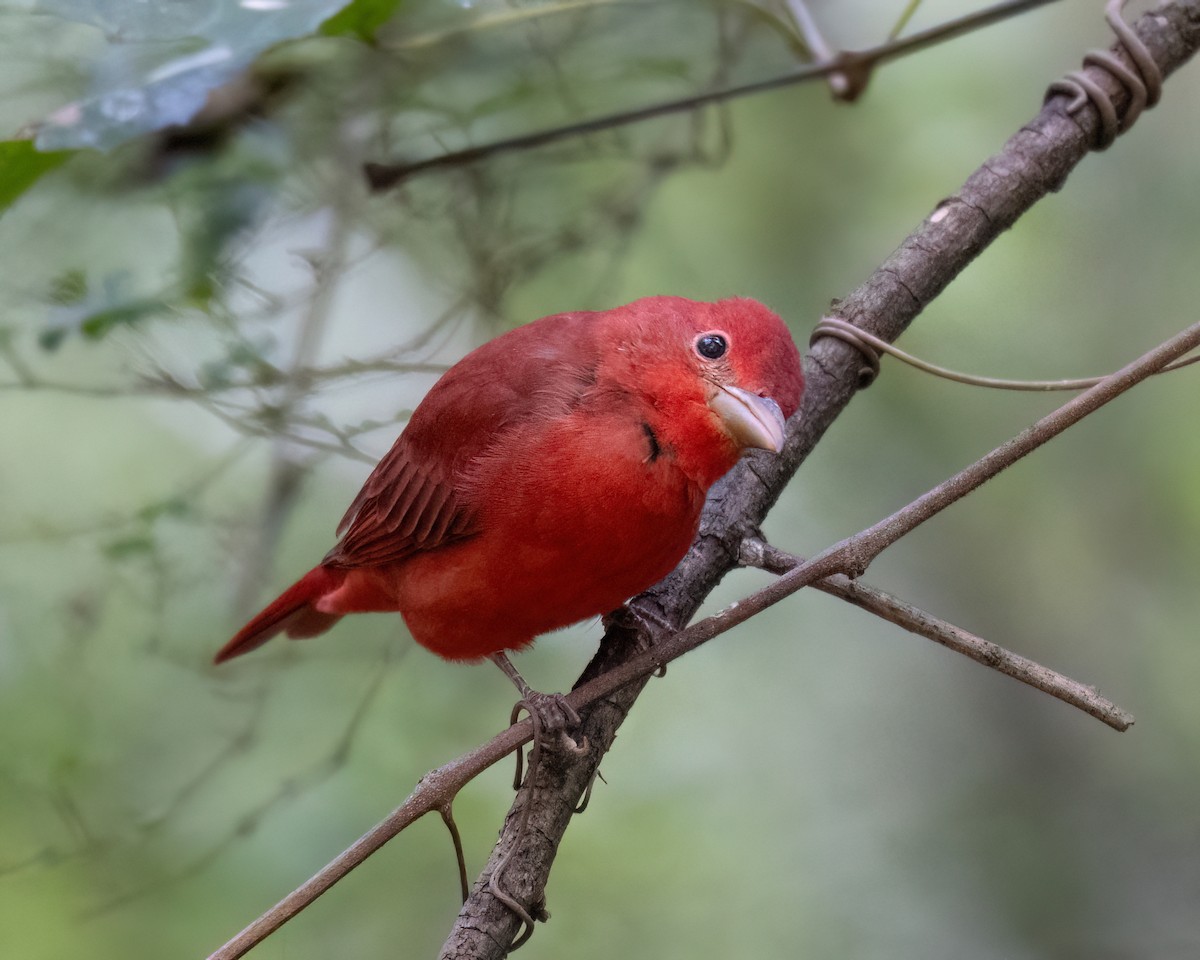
x,y
361,18
162,61
21,164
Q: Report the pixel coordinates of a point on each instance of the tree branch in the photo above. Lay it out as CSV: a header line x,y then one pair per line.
x,y
1033,163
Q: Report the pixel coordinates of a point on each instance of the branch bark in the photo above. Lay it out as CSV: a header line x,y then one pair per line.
x,y
1034,162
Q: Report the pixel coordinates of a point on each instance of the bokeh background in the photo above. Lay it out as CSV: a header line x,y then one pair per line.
x,y
203,349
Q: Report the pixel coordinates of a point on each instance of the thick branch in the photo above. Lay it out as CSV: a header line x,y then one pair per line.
x,y
1033,163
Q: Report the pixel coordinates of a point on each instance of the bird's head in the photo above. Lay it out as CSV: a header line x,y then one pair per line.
x,y
718,378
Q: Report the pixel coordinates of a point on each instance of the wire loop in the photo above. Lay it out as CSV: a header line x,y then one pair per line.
x,y
1144,83
865,343
872,346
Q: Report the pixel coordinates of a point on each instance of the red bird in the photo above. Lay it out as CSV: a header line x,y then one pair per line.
x,y
550,475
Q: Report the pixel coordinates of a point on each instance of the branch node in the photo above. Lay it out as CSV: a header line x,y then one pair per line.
x,y
752,552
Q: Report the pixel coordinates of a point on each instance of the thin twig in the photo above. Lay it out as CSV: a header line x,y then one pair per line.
x,y
447,813
760,554
383,176
434,791
810,30
284,481
840,83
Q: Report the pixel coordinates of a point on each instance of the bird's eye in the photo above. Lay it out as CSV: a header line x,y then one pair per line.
x,y
712,346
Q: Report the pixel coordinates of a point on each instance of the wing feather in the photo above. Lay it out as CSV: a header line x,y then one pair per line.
x,y
400,509
419,496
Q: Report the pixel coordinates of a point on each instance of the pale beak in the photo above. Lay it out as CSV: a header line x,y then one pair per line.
x,y
751,420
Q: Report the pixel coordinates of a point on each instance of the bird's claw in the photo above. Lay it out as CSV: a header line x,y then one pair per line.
x,y
552,716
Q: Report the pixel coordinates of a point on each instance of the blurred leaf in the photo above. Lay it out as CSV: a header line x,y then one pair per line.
x,y
171,507
218,208
164,59
361,18
51,340
21,164
69,287
92,312
124,22
99,324
126,547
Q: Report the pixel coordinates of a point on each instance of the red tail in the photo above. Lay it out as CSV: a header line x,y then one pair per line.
x,y
292,611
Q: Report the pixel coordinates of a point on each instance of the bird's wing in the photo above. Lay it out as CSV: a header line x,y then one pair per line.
x,y
404,507
418,497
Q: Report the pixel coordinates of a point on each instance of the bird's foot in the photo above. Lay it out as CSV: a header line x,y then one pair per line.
x,y
551,714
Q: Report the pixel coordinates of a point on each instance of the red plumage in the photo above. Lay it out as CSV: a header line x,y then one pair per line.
x,y
550,475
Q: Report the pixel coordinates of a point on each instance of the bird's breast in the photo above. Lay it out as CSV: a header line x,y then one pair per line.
x,y
577,517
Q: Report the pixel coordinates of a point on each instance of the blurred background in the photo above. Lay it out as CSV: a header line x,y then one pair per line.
x,y
208,336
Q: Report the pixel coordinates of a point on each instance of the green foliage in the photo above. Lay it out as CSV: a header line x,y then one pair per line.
x,y
93,311
22,165
132,546
69,287
361,19
162,60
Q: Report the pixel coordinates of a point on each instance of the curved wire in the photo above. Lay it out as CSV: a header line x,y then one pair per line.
x,y
1144,84
872,346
